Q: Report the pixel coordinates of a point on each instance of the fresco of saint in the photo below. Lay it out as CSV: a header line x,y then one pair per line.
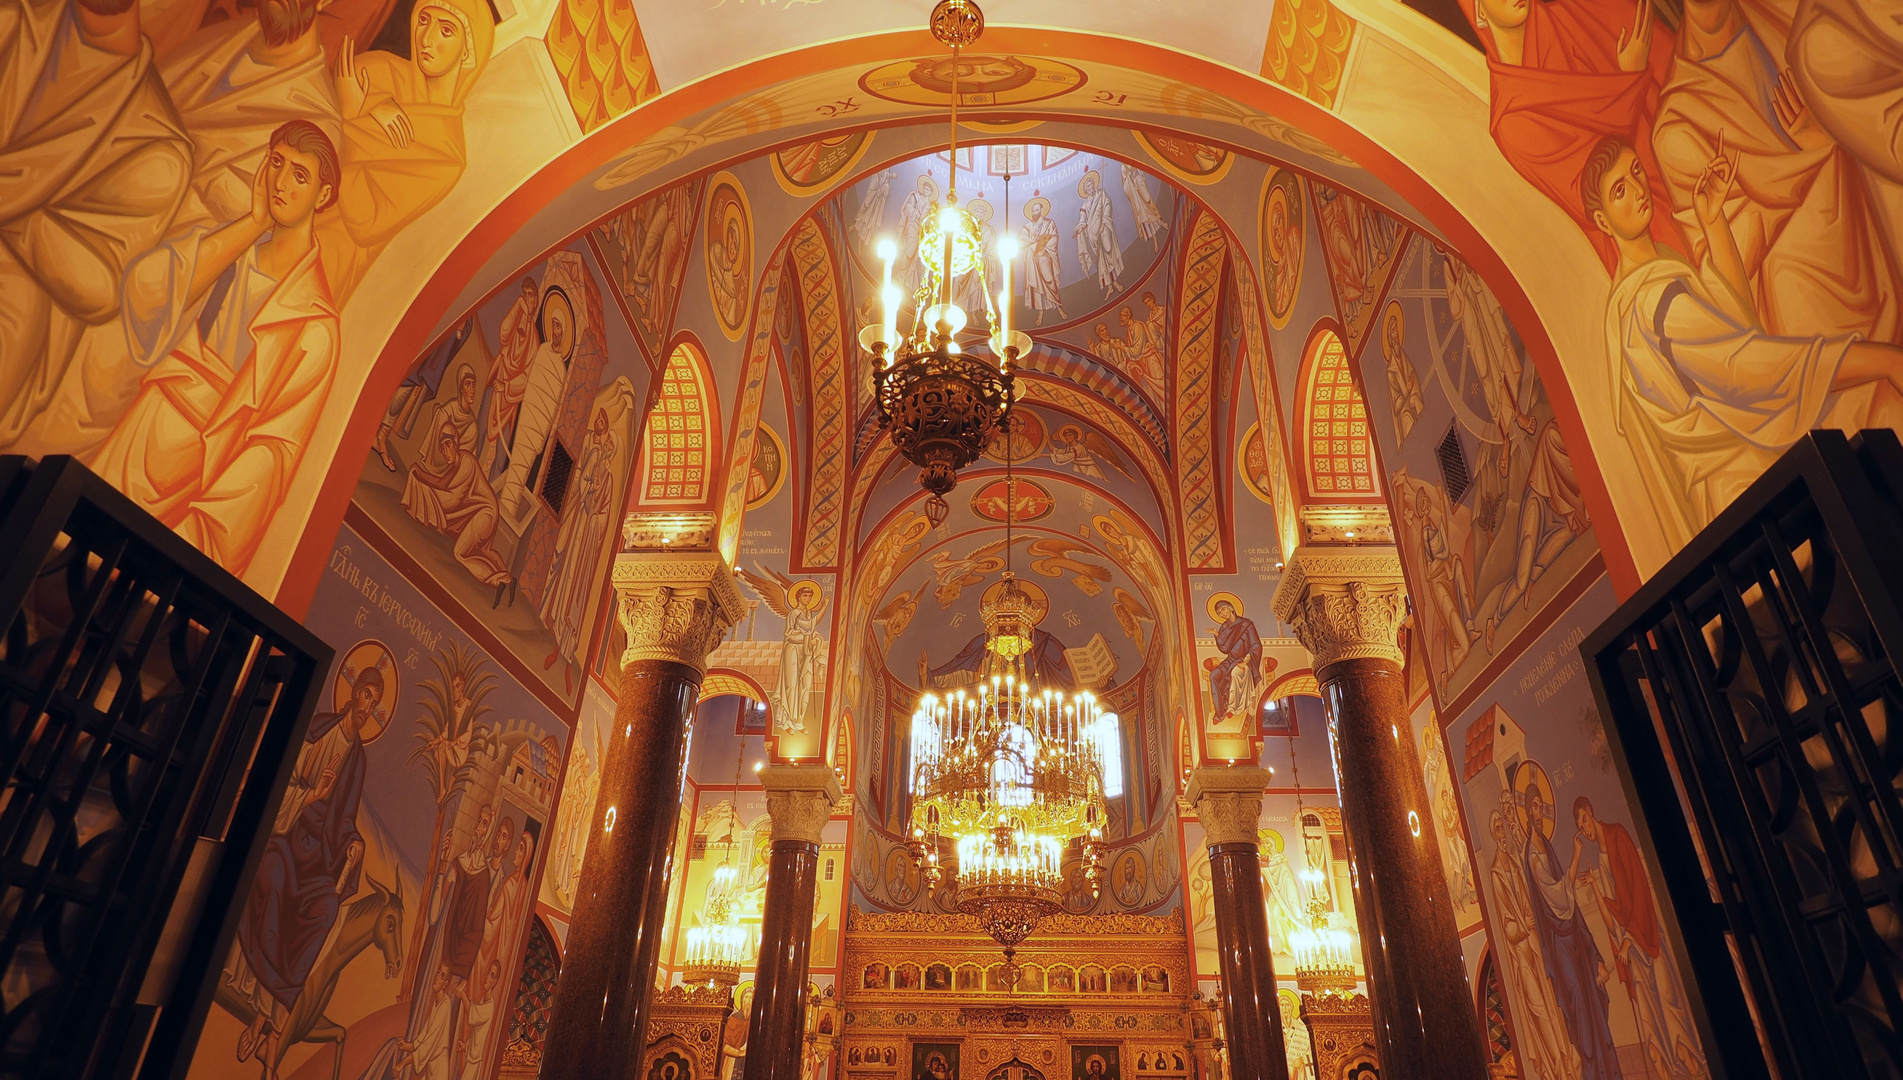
x,y
1232,680
1037,238
1098,249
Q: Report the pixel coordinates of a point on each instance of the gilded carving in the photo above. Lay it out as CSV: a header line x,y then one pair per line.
x,y
1228,802
687,1021
800,800
925,922
1344,606
1341,1031
675,607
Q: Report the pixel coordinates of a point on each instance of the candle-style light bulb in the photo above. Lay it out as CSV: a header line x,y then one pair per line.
x,y
1007,254
889,296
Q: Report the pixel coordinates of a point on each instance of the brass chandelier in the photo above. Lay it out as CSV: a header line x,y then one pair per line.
x,y
1325,949
1010,777
939,402
720,947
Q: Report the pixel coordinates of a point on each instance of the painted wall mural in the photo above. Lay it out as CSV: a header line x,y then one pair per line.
x,y
386,924
502,463
1592,986
1742,197
1488,513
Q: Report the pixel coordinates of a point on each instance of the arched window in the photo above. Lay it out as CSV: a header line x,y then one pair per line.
x,y
1336,444
675,454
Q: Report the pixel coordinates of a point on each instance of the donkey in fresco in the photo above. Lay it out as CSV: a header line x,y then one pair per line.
x,y
375,919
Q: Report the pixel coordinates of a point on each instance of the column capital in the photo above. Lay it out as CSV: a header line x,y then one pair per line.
x,y
799,799
1228,802
1344,603
676,597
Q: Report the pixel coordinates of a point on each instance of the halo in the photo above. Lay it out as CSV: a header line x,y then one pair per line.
x,y
1085,179
1273,839
368,653
1068,434
1529,776
1395,317
981,215
1217,597
1040,201
807,588
1278,248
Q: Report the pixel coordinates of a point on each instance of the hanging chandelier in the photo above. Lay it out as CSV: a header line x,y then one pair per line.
x,y
720,946
939,402
1011,777
1325,949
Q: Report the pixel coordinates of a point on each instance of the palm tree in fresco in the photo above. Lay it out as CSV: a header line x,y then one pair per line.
x,y
449,737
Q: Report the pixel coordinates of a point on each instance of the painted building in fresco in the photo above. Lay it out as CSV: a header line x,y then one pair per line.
x,y
396,309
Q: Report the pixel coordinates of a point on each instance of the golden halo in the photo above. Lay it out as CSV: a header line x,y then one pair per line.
x,y
1393,317
368,653
806,588
1069,434
981,215
1084,180
1528,776
1039,201
1217,597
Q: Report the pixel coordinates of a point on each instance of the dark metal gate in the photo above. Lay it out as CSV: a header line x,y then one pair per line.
x,y
148,707
1757,715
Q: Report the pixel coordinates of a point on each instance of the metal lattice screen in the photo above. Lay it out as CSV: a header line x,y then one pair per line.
x,y
1753,692
148,706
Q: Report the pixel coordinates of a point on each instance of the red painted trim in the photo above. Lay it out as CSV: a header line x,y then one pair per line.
x,y
578,161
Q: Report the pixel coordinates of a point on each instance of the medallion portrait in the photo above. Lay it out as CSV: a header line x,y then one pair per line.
x,y
1283,229
729,235
981,79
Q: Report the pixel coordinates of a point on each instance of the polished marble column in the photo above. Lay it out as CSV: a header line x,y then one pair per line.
x,y
676,601
1346,605
1228,803
799,799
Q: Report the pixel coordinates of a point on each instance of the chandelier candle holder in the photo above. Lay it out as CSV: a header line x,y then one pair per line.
x,y
718,949
1009,777
939,402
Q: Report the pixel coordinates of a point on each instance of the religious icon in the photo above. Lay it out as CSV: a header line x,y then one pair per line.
x,y
809,167
1155,980
1019,500
802,648
935,1061
1128,878
1123,980
1282,243
1232,679
729,254
938,977
1187,159
1063,980
878,976
1094,1063
982,80
1092,979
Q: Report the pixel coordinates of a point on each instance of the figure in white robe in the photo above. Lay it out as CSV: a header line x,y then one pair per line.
x,y
1704,396
1136,191
802,649
429,1043
1098,249
1043,280
871,212
908,271
239,335
541,402
581,540
1543,1042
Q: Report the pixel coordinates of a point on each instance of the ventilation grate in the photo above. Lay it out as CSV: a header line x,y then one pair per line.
x,y
1455,476
555,480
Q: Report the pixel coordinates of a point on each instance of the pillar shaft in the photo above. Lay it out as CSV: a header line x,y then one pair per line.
x,y
1228,803
675,607
1347,607
799,800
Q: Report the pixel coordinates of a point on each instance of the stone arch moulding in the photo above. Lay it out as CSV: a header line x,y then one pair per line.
x,y
1486,218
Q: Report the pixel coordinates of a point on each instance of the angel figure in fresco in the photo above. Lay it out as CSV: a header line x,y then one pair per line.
x,y
1815,251
97,166
1706,398
919,202
586,521
1615,873
893,619
1098,250
509,374
1136,191
1051,556
1043,280
1085,452
871,213
653,238
1131,615
955,575
802,649
235,376
403,147
1232,680
1404,385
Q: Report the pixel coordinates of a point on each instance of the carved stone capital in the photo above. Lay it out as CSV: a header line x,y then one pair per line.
x,y
1228,802
799,799
1345,604
675,606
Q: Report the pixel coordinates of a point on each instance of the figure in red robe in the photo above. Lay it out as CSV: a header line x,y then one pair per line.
x,y
1565,74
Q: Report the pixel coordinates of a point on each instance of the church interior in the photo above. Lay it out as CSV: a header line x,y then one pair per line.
x,y
874,540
